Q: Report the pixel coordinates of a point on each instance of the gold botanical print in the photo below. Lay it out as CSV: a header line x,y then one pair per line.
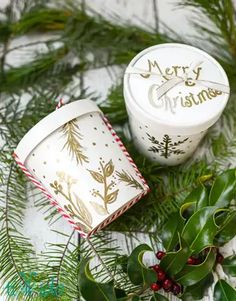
x,y
102,175
73,137
75,207
128,179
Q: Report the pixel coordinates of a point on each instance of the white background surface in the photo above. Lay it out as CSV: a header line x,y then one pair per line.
x,y
139,12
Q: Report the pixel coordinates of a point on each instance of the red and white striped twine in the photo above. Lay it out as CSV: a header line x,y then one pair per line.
x,y
60,104
48,195
62,211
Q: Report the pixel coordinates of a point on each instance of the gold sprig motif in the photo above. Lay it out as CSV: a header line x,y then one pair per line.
x,y
102,175
75,207
128,179
73,137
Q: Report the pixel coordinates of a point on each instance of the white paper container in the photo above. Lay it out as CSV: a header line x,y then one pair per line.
x,y
74,156
168,129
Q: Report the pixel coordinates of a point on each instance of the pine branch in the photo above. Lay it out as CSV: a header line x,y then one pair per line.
x,y
128,179
73,138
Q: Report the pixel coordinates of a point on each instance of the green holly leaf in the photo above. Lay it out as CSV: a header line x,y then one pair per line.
x,y
223,189
192,274
138,273
200,229
158,297
199,196
227,231
169,235
229,265
92,290
197,291
224,292
173,262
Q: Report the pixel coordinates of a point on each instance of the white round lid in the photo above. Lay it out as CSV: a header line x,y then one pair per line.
x,y
52,122
176,87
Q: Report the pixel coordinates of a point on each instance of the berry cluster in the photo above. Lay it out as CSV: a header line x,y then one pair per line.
x,y
168,284
163,281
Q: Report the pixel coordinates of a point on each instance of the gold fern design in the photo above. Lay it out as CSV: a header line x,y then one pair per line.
x,y
128,179
75,207
102,175
73,137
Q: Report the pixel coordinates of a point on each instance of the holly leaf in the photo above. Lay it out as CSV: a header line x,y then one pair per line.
x,y
108,169
229,265
223,189
173,226
158,297
92,290
224,292
197,291
97,176
200,229
111,198
227,231
138,273
192,274
173,262
199,196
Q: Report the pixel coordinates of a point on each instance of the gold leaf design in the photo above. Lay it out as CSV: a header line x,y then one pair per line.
x,y
75,207
73,136
128,179
109,169
97,176
85,214
111,197
99,208
107,195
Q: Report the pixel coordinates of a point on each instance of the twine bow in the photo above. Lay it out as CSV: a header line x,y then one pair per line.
x,y
174,80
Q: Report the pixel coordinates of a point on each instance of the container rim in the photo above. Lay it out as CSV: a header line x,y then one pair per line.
x,y
52,122
146,116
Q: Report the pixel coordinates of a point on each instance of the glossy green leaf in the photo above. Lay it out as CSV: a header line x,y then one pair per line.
x,y
169,235
192,274
224,292
173,262
158,297
200,230
199,196
197,291
227,231
229,265
223,189
92,290
138,273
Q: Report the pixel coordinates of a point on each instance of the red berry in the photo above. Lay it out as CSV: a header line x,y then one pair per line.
x,y
191,260
219,258
156,268
160,255
155,287
176,289
161,275
167,284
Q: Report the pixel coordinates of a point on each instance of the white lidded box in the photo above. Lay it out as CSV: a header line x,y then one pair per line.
x,y
173,94
74,156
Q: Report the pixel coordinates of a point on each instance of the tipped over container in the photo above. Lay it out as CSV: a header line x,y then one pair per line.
x,y
74,157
